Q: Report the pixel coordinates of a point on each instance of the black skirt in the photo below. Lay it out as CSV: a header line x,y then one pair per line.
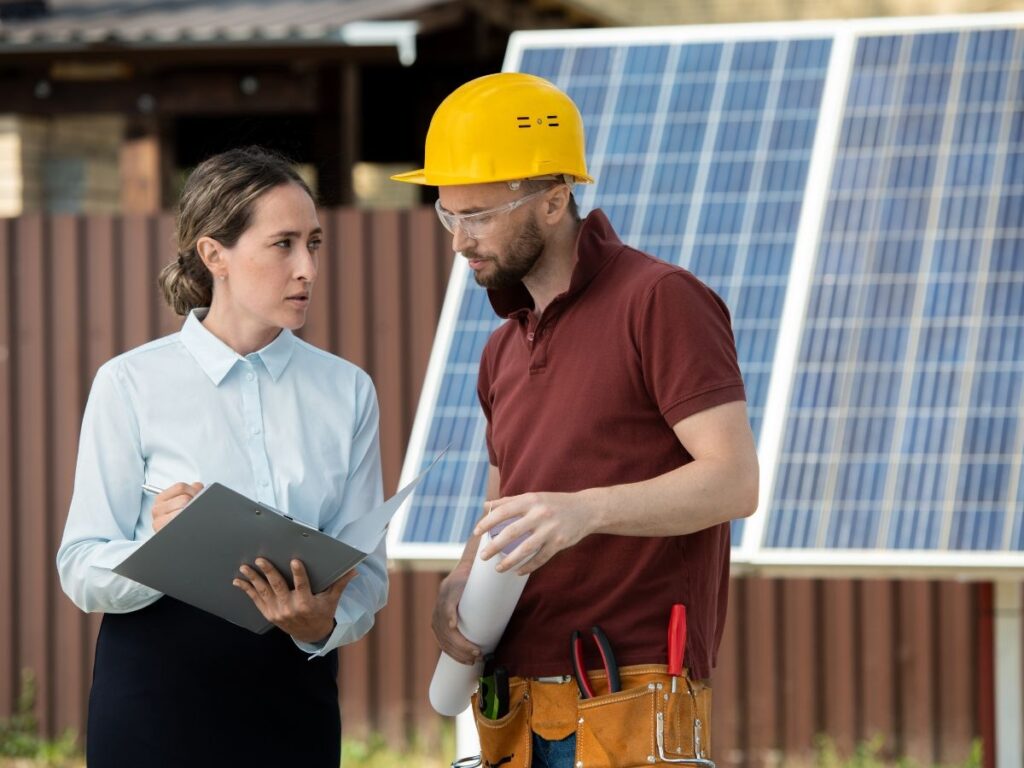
x,y
176,686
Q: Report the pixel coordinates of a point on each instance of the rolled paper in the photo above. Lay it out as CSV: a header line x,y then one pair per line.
x,y
486,606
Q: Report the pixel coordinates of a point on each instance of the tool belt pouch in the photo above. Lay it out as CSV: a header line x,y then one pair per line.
x,y
506,741
643,723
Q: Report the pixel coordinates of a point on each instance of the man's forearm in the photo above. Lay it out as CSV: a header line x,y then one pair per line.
x,y
690,498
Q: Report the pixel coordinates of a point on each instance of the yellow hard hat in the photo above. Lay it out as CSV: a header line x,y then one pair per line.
x,y
502,127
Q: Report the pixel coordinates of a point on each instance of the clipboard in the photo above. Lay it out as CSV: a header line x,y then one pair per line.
x,y
197,554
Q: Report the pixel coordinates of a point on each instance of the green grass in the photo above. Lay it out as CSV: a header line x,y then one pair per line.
x,y
375,753
19,735
874,753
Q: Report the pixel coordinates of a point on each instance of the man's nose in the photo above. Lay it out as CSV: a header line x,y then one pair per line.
x,y
460,240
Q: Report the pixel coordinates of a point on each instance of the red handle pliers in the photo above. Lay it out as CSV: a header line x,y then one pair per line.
x,y
607,659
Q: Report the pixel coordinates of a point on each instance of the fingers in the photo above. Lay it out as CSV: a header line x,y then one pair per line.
x,y
273,576
299,576
171,501
451,640
445,622
184,491
248,588
498,511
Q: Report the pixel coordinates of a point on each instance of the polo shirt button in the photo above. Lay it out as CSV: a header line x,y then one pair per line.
x,y
529,337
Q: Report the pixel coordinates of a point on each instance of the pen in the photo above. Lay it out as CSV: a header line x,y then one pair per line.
x,y
152,489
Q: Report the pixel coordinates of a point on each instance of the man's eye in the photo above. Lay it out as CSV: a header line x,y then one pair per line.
x,y
486,218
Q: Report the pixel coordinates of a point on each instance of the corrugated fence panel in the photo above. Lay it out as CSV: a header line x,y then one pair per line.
x,y
66,296
34,630
799,658
8,522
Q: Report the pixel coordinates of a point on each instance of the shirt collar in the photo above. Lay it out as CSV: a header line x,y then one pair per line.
x,y
596,244
217,359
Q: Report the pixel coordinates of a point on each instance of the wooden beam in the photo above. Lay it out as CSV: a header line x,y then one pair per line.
x,y
198,55
221,93
337,133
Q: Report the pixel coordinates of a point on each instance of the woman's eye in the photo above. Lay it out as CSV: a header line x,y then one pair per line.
x,y
314,245
283,244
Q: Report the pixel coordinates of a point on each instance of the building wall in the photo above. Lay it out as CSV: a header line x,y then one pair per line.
x,y
908,660
65,164
653,12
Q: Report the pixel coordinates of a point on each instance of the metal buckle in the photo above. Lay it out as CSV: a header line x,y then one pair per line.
x,y
557,679
660,737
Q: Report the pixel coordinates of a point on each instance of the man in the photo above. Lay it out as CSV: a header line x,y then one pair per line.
x,y
618,437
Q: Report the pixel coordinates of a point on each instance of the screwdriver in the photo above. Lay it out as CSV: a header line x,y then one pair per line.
x,y
676,642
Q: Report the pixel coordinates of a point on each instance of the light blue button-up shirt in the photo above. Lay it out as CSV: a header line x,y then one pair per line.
x,y
290,425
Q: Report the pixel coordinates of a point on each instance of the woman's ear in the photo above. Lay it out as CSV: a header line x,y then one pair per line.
x,y
209,251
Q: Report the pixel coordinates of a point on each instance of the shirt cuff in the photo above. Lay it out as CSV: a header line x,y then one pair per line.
x,y
347,628
702,401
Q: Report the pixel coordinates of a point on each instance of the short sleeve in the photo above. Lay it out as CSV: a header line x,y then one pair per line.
x,y
687,350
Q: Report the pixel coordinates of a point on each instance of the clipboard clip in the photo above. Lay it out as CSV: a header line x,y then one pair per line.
x,y
261,508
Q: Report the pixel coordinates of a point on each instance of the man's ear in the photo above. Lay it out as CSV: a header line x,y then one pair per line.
x,y
209,251
557,204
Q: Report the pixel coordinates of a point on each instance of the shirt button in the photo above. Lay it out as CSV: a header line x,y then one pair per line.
x,y
251,377
256,430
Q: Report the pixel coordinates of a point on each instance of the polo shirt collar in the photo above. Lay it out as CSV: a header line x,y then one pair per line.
x,y
596,244
217,359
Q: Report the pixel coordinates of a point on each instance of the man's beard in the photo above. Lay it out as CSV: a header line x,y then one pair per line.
x,y
522,256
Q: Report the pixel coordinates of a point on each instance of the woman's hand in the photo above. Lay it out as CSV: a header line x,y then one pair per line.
x,y
170,502
307,617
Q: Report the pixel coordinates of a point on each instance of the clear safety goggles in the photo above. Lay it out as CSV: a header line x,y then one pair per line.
x,y
482,224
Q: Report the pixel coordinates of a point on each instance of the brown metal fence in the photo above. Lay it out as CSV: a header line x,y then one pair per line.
x,y
909,660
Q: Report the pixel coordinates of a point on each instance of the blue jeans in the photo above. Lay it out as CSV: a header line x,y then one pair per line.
x,y
554,754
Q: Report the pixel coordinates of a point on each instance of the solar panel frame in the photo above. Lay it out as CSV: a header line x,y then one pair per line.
x,y
750,552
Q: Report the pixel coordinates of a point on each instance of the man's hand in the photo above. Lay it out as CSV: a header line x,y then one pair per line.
x,y
307,617
170,502
445,622
547,523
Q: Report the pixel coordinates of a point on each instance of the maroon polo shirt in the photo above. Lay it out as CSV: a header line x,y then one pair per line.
x,y
586,396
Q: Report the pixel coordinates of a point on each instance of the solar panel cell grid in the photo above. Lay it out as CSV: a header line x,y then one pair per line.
x,y
902,465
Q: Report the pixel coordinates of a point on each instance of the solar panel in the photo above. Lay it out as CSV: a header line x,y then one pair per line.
x,y
904,428
835,183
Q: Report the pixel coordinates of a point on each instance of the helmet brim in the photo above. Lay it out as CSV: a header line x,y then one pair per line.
x,y
412,177
420,177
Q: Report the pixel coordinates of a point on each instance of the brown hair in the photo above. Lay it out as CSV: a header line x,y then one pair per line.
x,y
217,202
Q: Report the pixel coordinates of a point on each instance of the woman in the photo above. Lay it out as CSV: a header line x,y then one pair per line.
x,y
234,397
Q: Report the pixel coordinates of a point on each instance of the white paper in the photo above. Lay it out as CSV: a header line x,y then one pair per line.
x,y
366,532
484,611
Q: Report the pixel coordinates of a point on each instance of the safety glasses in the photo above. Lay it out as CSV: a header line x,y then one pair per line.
x,y
481,224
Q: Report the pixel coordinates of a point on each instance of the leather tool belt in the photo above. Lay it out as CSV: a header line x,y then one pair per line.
x,y
653,719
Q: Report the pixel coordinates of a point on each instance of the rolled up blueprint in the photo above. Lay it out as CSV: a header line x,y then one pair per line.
x,y
484,610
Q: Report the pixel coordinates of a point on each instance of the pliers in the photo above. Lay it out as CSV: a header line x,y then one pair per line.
x,y
607,659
